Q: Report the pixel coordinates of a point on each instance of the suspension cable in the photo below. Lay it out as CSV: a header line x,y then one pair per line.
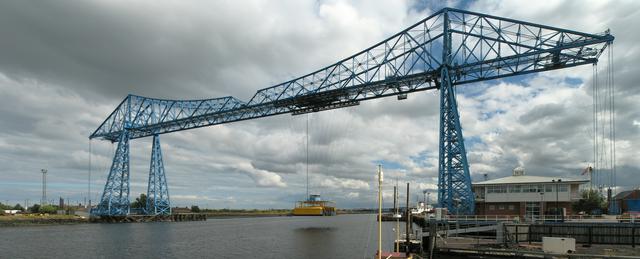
x,y
613,98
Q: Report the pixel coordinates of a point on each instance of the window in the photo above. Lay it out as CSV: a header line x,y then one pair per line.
x,y
532,188
548,188
514,188
492,207
501,207
511,207
532,209
563,188
496,189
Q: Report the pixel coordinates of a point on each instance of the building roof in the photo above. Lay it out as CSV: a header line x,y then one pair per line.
x,y
520,179
623,195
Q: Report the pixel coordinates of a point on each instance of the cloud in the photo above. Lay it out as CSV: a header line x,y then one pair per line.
x,y
341,183
262,178
64,66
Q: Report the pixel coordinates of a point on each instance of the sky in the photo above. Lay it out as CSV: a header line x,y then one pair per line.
x,y
65,65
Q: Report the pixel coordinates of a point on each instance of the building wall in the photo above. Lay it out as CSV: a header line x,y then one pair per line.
x,y
517,208
498,208
572,193
624,203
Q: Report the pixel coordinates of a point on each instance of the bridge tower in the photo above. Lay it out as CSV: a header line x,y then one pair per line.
x,y
115,196
157,190
454,181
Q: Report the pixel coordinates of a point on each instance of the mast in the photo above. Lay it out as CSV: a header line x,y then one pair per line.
x,y
380,178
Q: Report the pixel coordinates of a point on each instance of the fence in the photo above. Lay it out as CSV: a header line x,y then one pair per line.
x,y
586,233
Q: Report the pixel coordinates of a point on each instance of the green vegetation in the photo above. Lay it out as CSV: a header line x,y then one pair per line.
x,y
195,209
18,207
140,202
245,212
591,200
49,209
35,208
39,219
5,206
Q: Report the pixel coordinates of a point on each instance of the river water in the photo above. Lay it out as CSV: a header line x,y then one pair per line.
x,y
343,236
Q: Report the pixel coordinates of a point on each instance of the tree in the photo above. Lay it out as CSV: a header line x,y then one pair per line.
x,y
35,208
140,202
18,207
50,209
591,200
4,206
195,209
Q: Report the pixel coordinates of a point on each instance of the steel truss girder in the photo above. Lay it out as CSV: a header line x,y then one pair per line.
x,y
157,202
115,196
482,47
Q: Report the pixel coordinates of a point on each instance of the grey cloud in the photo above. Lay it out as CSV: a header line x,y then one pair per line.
x,y
65,65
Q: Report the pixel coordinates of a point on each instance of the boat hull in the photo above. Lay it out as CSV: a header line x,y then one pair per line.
x,y
314,211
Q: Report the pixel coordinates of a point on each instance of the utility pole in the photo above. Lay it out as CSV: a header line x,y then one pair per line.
x,y
395,211
380,178
43,201
408,218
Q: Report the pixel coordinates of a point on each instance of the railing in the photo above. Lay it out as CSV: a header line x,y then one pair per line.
x,y
483,217
583,232
546,218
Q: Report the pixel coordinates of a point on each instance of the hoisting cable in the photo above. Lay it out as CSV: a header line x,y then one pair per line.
x,y
307,144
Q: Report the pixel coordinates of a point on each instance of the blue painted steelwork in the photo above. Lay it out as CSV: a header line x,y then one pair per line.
x,y
157,190
115,197
450,47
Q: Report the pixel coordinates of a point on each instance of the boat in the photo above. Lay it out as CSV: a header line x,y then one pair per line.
x,y
314,206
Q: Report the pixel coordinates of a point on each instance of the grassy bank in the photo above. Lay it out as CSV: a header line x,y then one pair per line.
x,y
246,213
39,219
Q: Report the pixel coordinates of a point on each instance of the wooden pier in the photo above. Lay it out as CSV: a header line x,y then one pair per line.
x,y
177,217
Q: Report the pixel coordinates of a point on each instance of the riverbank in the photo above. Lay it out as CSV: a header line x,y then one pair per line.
x,y
52,219
40,219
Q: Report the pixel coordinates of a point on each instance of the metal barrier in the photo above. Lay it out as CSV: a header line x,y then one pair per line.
x,y
585,233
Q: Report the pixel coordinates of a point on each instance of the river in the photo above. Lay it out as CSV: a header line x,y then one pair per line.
x,y
343,236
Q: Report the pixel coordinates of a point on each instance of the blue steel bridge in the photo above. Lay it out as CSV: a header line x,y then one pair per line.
x,y
449,48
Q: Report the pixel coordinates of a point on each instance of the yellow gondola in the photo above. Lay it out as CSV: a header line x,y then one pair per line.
x,y
314,206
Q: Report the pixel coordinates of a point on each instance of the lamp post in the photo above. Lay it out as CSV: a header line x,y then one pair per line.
x,y
380,180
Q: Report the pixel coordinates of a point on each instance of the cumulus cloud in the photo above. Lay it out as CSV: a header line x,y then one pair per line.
x,y
341,183
262,178
64,66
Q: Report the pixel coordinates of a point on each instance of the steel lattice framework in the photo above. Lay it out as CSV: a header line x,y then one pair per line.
x,y
449,48
157,190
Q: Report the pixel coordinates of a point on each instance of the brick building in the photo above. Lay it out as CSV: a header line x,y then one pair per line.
x,y
628,201
526,196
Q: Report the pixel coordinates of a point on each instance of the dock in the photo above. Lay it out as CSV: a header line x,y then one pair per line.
x,y
177,217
